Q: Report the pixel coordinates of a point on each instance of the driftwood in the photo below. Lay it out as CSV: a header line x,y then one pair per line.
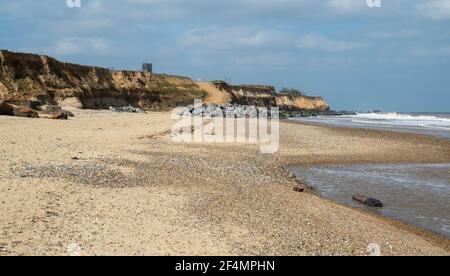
x,y
368,201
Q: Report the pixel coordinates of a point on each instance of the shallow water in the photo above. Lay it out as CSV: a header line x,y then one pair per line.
x,y
418,194
435,124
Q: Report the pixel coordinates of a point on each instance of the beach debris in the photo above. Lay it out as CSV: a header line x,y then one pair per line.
x,y
18,111
6,109
372,202
301,183
59,116
68,113
33,104
49,108
25,112
54,112
308,187
32,109
299,189
125,109
53,109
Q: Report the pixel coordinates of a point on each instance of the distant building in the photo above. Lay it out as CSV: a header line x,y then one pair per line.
x,y
147,67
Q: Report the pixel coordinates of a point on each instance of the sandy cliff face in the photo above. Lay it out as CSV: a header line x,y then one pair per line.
x,y
287,102
25,77
261,95
29,77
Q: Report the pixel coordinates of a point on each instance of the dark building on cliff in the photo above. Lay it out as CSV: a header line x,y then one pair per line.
x,y
147,67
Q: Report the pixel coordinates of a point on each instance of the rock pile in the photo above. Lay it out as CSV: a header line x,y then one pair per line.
x,y
228,110
126,109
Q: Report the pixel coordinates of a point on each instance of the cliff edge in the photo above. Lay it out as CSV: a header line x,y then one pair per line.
x,y
31,77
25,77
264,95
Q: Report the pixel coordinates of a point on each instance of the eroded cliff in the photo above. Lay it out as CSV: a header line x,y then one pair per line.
x,y
25,77
262,95
30,77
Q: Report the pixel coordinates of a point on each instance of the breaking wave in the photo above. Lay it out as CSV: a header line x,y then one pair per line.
x,y
433,121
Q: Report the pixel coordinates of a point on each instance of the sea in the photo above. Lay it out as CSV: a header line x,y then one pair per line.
x,y
418,194
434,124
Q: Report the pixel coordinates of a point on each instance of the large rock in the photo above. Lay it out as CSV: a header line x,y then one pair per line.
x,y
59,116
25,112
71,102
6,109
18,111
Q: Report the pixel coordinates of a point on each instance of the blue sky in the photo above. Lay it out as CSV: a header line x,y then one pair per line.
x,y
393,58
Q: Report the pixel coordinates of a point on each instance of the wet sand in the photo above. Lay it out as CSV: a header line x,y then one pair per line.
x,y
415,193
116,184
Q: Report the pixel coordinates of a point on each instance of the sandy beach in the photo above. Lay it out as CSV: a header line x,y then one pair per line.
x,y
115,184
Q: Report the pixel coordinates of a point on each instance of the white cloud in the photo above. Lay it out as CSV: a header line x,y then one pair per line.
x,y
317,41
215,38
401,34
346,6
78,45
232,38
427,51
435,9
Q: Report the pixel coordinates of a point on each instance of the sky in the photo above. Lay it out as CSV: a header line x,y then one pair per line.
x,y
392,58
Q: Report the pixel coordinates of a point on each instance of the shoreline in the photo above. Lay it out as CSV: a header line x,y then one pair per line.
x,y
382,134
140,194
433,237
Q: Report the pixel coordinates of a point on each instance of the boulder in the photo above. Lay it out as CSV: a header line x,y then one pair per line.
x,y
68,113
71,102
25,112
51,108
6,109
13,110
59,116
33,103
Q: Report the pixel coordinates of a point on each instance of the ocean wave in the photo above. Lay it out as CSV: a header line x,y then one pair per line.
x,y
399,116
402,119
